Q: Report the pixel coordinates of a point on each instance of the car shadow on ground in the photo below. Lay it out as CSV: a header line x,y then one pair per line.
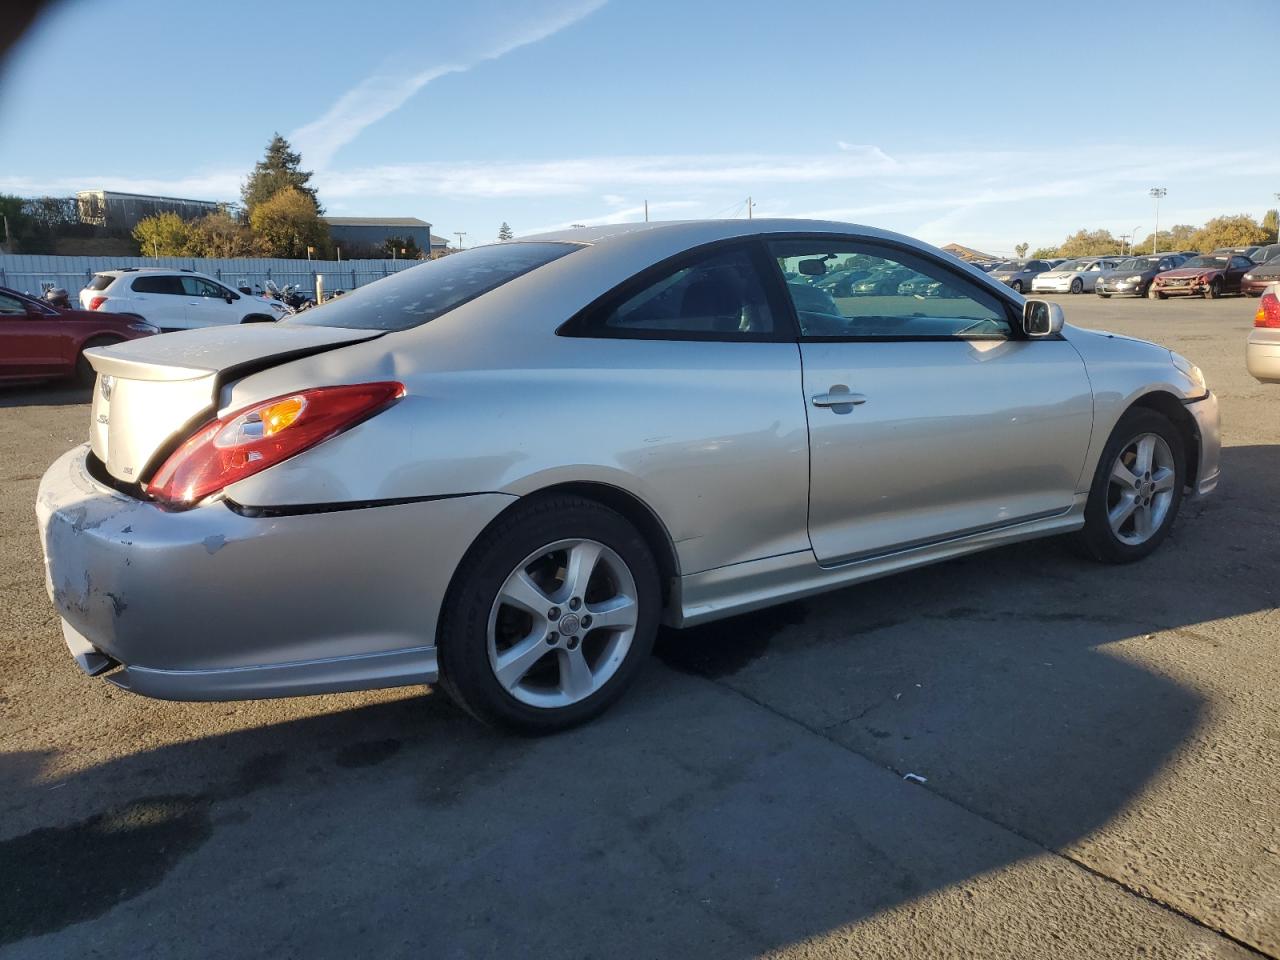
x,y
698,818
60,394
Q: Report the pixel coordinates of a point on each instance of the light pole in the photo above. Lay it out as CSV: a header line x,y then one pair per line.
x,y
459,234
1156,194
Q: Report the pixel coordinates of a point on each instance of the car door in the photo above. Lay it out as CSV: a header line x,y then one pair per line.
x,y
931,418
1237,267
31,343
160,299
207,304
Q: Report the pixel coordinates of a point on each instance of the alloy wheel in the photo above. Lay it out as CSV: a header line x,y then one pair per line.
x,y
1141,489
562,623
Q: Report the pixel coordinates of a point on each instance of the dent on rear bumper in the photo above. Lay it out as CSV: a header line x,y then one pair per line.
x,y
208,604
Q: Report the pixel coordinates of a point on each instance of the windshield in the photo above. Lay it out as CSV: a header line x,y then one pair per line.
x,y
1008,266
1217,262
1138,264
417,295
1071,266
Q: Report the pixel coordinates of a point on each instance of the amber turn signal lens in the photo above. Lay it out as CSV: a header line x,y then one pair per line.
x,y
279,415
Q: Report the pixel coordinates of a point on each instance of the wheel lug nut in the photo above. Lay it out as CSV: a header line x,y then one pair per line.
x,y
575,603
553,613
552,637
573,643
586,620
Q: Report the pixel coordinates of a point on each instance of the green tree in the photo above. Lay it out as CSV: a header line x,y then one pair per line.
x,y
219,235
287,223
405,247
163,235
1041,253
1270,222
1089,243
1021,249
505,232
1240,230
11,211
281,167
1181,236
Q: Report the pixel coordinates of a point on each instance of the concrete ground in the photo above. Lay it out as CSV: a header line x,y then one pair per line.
x,y
1100,749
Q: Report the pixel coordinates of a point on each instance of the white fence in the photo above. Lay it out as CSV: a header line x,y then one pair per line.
x,y
31,273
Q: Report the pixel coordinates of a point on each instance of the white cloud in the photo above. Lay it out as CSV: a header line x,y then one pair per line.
x,y
383,93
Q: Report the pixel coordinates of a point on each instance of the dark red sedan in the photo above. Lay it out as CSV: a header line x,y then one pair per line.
x,y
1208,276
41,342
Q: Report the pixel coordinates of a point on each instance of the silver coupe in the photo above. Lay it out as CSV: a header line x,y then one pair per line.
x,y
503,470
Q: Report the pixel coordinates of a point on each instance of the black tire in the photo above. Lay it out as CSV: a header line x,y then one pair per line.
x,y
1105,296
84,374
1214,291
1016,286
465,670
1077,285
1154,294
1097,538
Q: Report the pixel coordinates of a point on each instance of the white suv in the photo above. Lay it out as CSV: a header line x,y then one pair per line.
x,y
175,299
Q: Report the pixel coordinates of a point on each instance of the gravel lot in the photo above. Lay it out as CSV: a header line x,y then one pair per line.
x,y
1101,748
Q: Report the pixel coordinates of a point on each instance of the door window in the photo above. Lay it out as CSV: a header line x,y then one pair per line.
x,y
12,306
714,296
199,287
152,284
896,296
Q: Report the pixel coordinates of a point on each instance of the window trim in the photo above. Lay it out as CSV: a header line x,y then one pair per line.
x,y
588,323
1013,312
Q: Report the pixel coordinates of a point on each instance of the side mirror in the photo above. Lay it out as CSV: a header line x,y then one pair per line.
x,y
1040,318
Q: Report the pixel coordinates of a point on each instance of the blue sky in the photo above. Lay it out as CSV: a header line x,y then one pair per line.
x,y
988,124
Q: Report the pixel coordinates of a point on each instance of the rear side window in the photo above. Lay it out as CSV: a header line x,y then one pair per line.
x,y
100,281
715,296
420,294
172,285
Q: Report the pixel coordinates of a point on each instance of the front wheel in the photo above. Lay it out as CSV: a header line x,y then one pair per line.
x,y
1154,294
1105,296
552,614
1077,285
1137,488
1017,286
1214,291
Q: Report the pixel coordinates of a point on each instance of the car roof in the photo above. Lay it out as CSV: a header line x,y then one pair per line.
x,y
122,271
693,232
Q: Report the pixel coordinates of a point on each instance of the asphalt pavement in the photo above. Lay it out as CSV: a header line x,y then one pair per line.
x,y
1094,754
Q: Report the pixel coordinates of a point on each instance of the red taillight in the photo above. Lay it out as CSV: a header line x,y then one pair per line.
x,y
96,302
1268,314
251,439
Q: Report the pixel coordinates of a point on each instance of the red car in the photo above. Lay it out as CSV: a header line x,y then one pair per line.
x,y
1209,276
41,342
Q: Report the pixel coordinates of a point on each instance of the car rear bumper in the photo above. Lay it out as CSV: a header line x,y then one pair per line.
x,y
1262,355
1209,432
209,604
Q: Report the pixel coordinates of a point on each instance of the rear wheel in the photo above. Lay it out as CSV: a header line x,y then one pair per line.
x,y
552,614
1137,488
85,374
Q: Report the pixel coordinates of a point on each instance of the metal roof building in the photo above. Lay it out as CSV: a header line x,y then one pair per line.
x,y
370,232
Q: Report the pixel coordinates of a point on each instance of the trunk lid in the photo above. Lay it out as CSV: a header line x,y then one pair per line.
x,y
152,392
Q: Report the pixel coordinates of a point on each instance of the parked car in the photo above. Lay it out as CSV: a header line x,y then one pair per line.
x,y
176,299
1133,277
882,282
840,283
1209,276
40,342
1260,276
1072,276
1018,274
1267,253
1262,352
1250,252
379,491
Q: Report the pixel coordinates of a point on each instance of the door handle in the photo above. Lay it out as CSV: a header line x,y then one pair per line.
x,y
838,398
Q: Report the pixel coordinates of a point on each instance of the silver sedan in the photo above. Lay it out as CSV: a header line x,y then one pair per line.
x,y
504,469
